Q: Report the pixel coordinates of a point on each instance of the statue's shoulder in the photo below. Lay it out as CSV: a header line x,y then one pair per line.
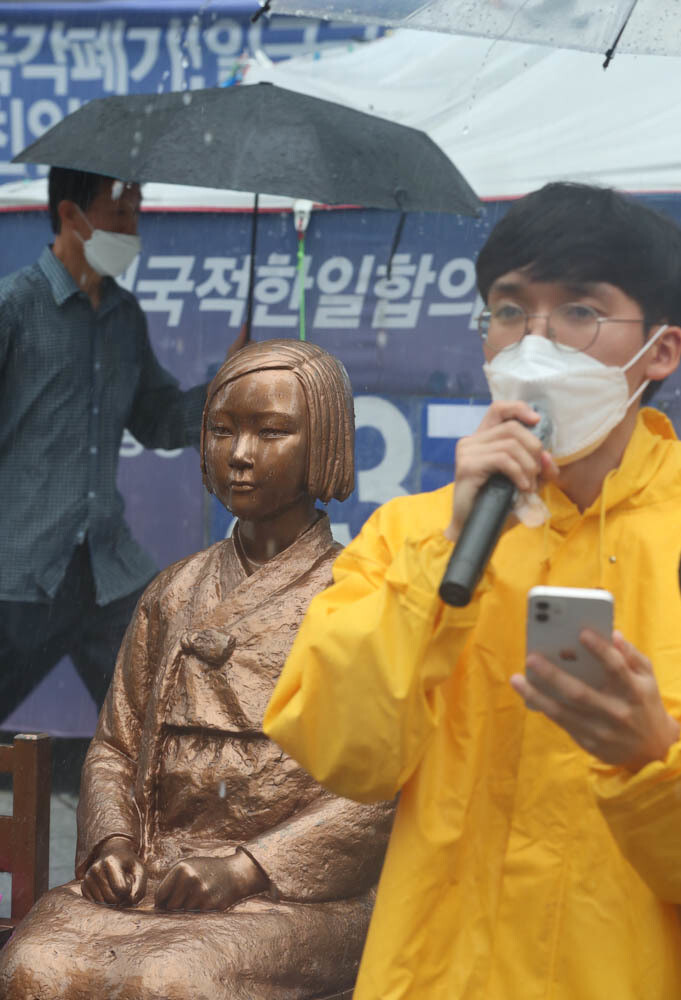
x,y
185,574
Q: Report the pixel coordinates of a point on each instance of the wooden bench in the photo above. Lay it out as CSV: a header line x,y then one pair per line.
x,y
25,835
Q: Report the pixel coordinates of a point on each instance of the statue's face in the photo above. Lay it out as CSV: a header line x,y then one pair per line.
x,y
256,444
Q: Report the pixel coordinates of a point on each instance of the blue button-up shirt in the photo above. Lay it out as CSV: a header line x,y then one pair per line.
x,y
71,380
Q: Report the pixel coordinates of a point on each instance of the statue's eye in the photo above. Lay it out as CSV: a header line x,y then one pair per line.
x,y
273,432
220,430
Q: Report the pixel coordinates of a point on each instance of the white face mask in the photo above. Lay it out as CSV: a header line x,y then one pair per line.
x,y
110,253
585,398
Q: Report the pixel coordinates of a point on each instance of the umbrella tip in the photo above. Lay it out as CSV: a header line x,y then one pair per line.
x,y
264,9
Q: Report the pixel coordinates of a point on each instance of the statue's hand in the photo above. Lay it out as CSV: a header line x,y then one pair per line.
x,y
117,876
210,883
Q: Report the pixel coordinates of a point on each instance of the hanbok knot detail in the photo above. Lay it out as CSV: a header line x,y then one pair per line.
x,y
210,645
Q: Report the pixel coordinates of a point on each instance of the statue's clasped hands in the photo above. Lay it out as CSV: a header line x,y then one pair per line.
x,y
118,877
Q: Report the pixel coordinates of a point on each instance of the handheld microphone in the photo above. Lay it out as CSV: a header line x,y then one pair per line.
x,y
482,528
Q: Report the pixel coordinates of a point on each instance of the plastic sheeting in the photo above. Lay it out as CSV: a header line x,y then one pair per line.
x,y
652,26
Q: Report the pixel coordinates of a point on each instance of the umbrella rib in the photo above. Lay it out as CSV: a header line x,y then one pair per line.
x,y
609,55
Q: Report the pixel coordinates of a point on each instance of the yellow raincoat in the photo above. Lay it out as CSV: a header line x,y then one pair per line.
x,y
519,867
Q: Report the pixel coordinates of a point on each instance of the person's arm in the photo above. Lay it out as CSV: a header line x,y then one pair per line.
x,y
643,812
163,415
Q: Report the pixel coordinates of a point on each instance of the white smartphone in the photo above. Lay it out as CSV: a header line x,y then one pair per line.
x,y
555,618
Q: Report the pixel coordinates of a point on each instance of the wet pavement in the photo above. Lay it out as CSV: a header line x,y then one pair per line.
x,y
62,841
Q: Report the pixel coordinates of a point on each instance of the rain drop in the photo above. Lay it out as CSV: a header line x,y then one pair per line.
x,y
137,136
208,138
222,789
148,108
381,339
184,62
134,151
465,130
187,98
116,190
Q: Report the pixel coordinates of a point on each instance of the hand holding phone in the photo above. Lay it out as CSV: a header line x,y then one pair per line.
x,y
555,618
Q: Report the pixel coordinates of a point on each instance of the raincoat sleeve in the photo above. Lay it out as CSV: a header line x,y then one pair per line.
x,y
107,806
163,415
359,696
643,812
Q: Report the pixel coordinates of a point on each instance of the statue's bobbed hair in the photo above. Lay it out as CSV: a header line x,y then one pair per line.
x,y
330,411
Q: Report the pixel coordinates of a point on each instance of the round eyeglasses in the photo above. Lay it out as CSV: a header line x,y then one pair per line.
x,y
571,326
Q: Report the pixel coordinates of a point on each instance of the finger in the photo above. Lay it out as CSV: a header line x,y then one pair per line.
x,y
568,690
98,884
632,656
509,430
90,889
510,410
507,457
165,889
180,888
117,882
138,883
615,660
534,699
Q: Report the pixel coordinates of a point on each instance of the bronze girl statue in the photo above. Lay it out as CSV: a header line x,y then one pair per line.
x,y
210,866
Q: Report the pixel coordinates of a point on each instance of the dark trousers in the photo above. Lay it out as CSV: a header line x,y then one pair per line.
x,y
34,637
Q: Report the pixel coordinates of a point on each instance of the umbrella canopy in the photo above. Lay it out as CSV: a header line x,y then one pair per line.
x,y
260,138
645,27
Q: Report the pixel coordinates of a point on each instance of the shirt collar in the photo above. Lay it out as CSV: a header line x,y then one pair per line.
x,y
63,286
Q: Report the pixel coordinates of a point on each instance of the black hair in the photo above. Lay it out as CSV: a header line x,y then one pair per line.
x,y
578,233
77,186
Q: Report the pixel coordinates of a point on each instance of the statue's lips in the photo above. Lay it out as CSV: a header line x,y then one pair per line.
x,y
241,486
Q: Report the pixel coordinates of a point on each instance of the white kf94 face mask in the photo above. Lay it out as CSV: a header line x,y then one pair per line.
x,y
110,253
585,398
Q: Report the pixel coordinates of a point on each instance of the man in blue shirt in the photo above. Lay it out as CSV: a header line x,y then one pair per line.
x,y
76,369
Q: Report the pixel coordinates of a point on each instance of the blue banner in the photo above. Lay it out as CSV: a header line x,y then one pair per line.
x,y
55,57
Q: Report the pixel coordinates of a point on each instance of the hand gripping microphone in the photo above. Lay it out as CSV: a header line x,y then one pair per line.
x,y
483,526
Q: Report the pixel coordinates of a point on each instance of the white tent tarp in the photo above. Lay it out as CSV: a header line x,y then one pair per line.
x,y
512,116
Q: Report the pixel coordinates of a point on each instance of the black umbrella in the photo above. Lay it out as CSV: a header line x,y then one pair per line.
x,y
259,138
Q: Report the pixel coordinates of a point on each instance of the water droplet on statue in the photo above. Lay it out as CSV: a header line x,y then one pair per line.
x,y
208,138
137,136
187,99
134,151
116,190
222,790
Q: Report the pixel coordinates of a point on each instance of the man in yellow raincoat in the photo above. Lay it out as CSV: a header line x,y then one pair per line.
x,y
536,851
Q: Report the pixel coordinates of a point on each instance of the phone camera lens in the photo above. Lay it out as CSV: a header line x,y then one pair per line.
x,y
542,616
543,605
